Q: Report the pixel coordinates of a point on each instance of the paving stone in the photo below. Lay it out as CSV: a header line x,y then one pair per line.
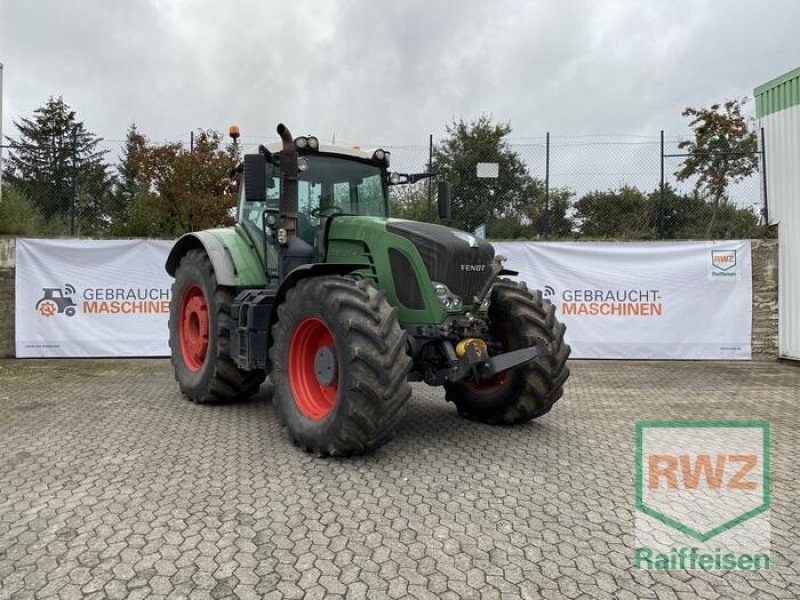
x,y
113,486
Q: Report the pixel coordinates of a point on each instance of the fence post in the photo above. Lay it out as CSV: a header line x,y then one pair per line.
x,y
430,179
764,176
1,132
73,199
546,224
191,179
661,193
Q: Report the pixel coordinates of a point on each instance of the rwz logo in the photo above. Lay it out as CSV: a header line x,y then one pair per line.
x,y
57,300
702,478
686,471
724,260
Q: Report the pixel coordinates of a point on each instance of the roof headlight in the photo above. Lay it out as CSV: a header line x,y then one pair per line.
x,y
313,143
301,143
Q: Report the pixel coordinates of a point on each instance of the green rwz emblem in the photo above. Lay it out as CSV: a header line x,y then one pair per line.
x,y
706,484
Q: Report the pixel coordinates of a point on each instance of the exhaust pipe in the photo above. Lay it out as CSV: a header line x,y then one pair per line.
x,y
294,252
289,177
286,136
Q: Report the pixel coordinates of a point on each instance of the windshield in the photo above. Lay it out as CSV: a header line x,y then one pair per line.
x,y
330,185
350,186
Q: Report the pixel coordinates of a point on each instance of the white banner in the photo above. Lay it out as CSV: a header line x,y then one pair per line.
x,y
92,298
657,300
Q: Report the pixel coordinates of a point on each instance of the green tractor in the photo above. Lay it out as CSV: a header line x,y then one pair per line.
x,y
343,306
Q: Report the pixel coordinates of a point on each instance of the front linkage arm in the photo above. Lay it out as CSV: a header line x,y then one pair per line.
x,y
481,366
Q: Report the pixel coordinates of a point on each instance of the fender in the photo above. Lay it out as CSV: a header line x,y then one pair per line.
x,y
234,261
302,272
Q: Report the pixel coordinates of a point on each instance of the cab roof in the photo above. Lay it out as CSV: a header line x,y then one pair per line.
x,y
352,151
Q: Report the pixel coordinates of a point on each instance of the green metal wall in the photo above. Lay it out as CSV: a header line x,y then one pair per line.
x,y
778,109
778,94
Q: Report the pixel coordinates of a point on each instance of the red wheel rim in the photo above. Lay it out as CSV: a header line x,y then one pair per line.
x,y
487,388
193,328
311,344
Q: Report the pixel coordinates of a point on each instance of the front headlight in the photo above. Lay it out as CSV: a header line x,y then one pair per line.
x,y
446,298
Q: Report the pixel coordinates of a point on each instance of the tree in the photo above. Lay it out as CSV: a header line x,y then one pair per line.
x,y
411,201
689,216
127,188
625,213
491,201
559,223
18,216
723,151
167,189
53,152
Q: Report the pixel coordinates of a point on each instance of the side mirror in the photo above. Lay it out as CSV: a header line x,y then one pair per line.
x,y
443,199
255,178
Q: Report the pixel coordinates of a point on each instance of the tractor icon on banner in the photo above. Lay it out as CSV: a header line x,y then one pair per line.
x,y
57,300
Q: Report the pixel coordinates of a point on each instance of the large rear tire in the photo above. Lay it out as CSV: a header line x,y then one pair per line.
x,y
518,317
340,367
199,335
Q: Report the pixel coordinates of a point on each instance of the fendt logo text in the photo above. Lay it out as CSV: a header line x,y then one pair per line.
x,y
702,495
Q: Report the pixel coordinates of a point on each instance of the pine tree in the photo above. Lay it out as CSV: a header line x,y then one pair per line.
x,y
53,153
128,191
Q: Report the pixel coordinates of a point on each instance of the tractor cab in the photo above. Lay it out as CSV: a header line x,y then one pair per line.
x,y
331,181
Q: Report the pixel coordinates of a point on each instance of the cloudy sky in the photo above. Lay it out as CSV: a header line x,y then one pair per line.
x,y
388,72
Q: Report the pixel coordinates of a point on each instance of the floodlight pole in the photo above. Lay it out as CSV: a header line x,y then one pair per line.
x,y
661,188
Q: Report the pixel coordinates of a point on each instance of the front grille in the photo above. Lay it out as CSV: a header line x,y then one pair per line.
x,y
405,282
444,254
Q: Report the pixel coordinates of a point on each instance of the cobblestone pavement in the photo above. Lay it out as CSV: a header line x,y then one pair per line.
x,y
112,486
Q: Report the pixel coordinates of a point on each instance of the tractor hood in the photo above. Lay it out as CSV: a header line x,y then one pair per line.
x,y
455,258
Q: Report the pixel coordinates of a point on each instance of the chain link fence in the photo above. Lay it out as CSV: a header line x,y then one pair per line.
x,y
550,187
59,194
588,187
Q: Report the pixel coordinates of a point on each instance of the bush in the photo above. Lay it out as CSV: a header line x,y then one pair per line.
x,y
18,215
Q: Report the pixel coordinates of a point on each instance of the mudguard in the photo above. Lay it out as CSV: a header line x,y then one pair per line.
x,y
235,260
310,270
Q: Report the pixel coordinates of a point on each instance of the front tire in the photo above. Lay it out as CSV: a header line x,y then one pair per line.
x,y
199,335
518,317
340,367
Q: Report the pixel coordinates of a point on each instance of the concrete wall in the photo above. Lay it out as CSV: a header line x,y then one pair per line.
x,y
7,264
765,298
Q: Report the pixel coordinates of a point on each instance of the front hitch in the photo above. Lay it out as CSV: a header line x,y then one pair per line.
x,y
481,366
